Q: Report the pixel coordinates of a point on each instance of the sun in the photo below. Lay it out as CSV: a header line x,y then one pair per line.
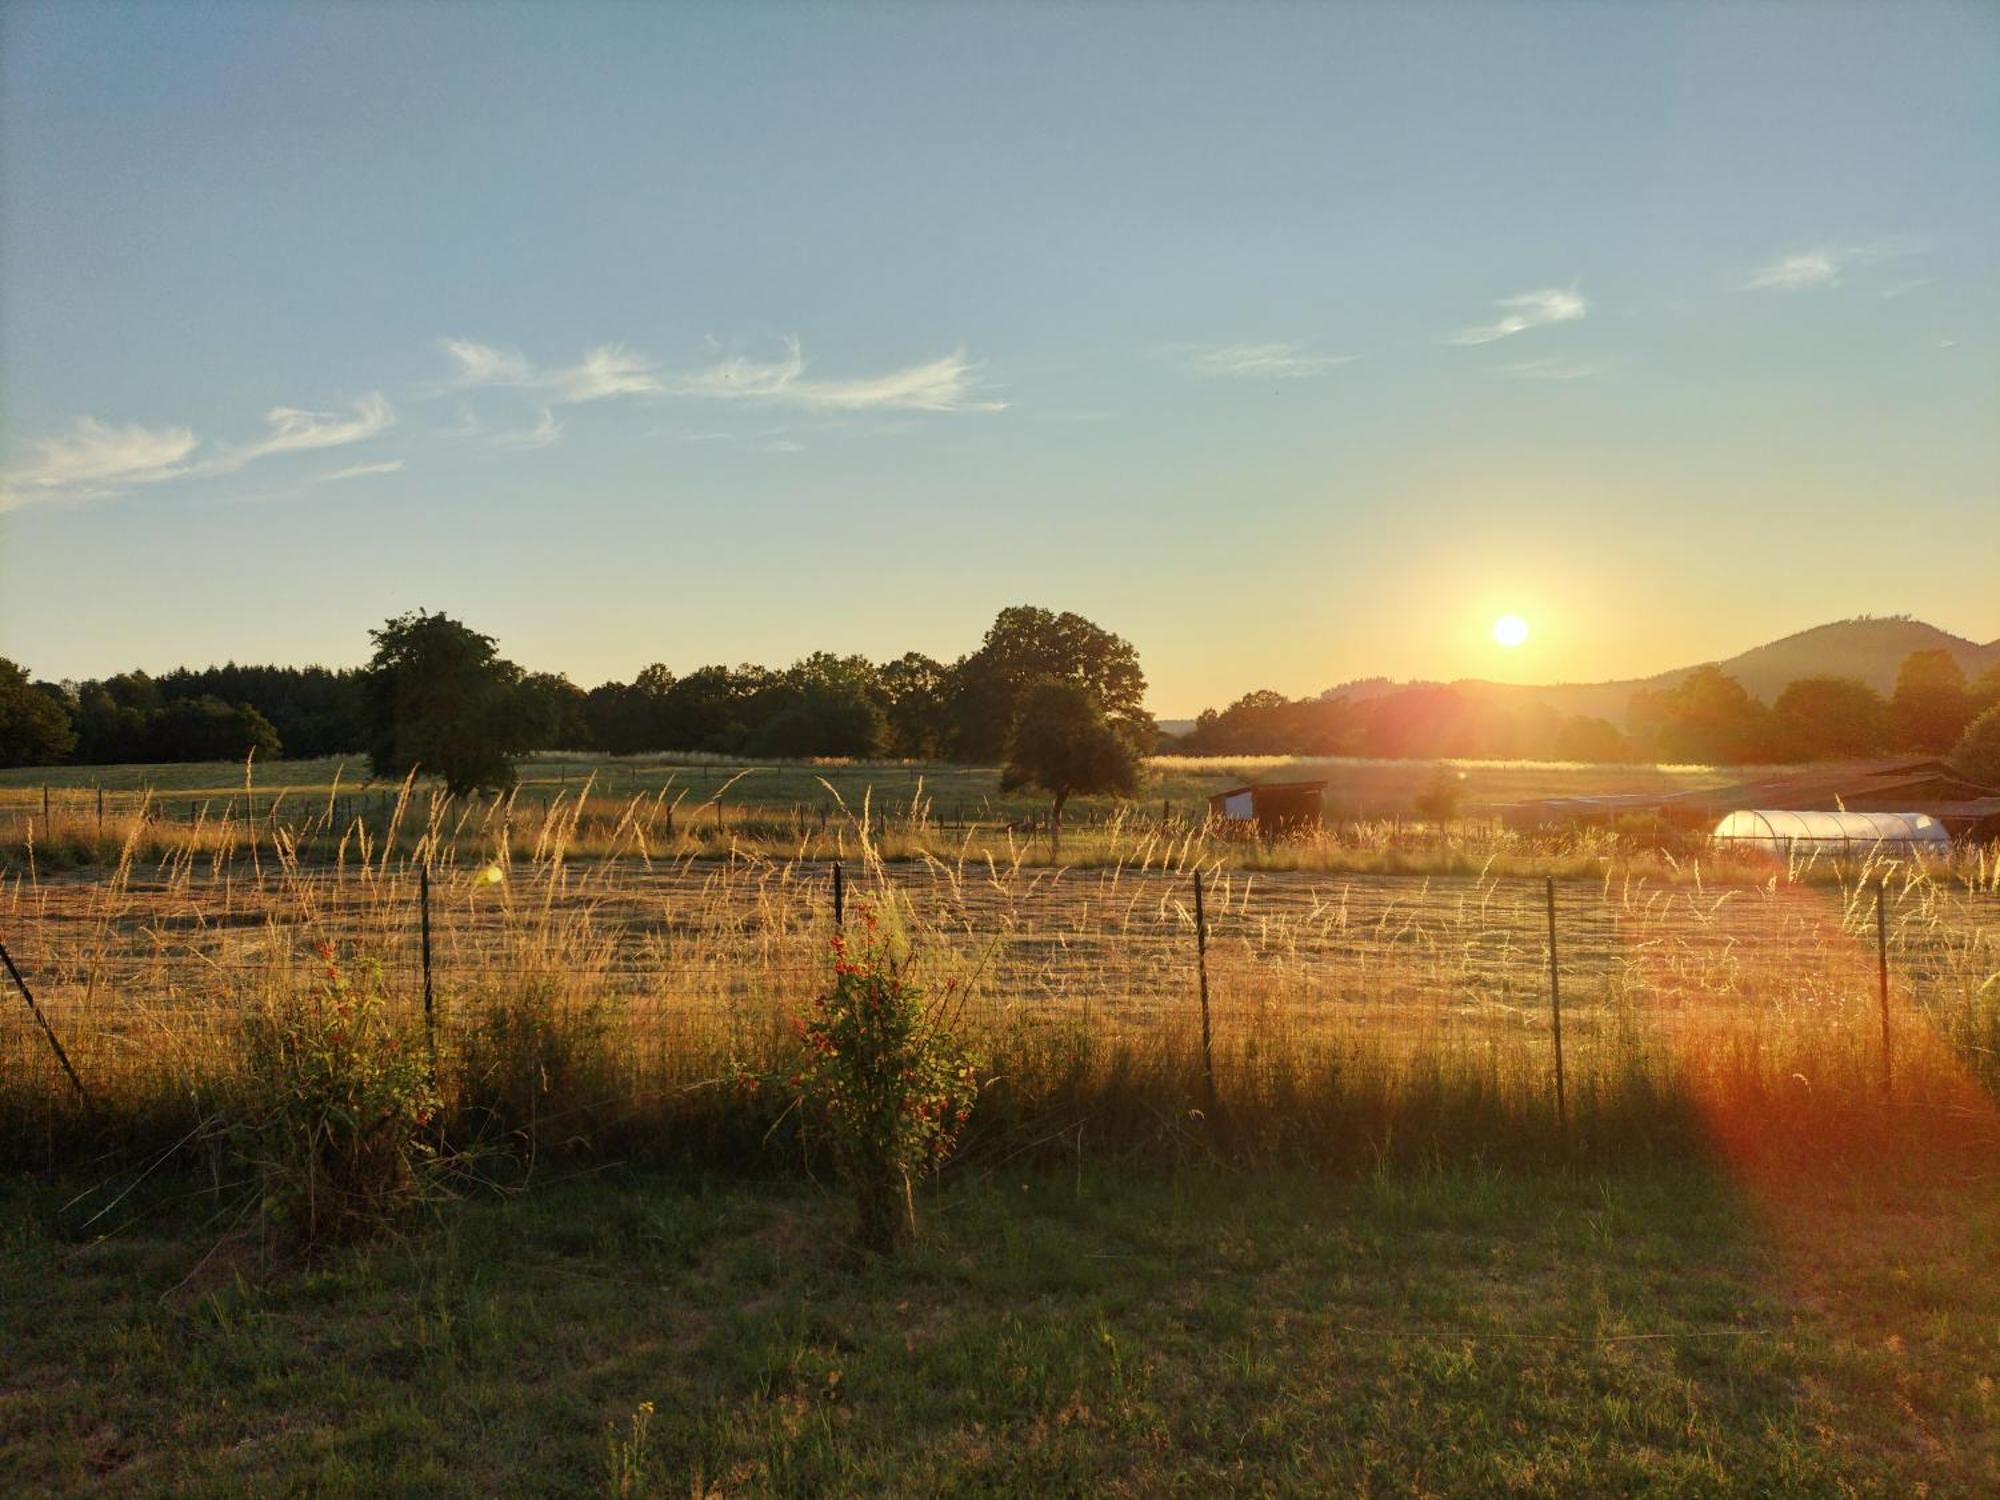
x,y
1510,630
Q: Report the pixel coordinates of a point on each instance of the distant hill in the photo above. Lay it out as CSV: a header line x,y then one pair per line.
x,y
1871,649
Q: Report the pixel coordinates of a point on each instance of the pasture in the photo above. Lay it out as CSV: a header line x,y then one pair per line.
x,y
1363,789
1284,1191
1343,992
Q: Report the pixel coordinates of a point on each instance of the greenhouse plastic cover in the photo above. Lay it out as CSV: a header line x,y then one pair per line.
x,y
1779,831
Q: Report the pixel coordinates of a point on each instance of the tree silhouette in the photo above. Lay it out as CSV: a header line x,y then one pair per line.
x,y
441,700
1931,706
1065,744
1977,754
34,729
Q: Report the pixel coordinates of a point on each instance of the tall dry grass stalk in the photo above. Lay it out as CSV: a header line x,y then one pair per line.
x,y
614,973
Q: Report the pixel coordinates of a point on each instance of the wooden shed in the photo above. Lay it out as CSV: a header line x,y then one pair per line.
x,y
1272,809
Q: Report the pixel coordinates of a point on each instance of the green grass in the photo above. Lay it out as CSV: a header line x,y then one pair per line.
x,y
1062,1333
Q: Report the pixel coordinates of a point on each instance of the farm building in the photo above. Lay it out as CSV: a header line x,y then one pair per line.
x,y
1965,809
1781,832
1272,808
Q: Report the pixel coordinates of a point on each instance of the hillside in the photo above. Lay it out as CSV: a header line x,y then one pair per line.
x,y
1871,649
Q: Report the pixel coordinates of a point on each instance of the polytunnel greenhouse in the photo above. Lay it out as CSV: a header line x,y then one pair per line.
x,y
1780,832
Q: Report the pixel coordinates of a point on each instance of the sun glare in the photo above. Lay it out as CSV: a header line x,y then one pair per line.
x,y
1510,630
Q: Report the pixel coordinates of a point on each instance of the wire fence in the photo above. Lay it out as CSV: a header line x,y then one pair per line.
x,y
1115,948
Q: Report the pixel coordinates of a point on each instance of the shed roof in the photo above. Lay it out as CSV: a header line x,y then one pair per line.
x,y
1254,787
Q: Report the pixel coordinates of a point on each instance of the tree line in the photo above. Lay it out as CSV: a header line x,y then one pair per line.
x,y
1707,717
916,707
913,707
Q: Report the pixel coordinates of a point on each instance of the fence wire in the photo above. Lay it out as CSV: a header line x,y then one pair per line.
x,y
141,961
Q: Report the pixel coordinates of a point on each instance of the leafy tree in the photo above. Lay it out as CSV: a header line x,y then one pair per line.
x,y
1591,740
1817,718
34,728
1977,754
314,710
825,705
710,708
616,718
1707,716
1985,689
1065,744
1931,705
1027,646
555,710
206,728
441,700
918,693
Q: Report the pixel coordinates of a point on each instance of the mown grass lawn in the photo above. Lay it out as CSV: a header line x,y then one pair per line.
x,y
1199,1333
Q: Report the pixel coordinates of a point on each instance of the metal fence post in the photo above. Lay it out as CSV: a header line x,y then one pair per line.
x,y
55,1045
1882,976
1201,971
424,907
1556,1015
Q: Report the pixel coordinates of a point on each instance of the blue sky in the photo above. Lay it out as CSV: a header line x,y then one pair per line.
x,y
1294,343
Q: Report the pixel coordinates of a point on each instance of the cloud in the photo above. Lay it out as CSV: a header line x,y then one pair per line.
x,y
1805,271
482,364
1528,310
359,471
949,384
747,378
608,370
96,459
1280,361
293,430
1825,265
1556,369
543,433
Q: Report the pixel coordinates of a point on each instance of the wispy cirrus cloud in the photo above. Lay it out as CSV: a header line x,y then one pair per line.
x,y
359,471
608,370
1802,271
1557,369
949,384
1824,266
603,373
1274,361
483,364
295,430
1527,310
546,431
94,459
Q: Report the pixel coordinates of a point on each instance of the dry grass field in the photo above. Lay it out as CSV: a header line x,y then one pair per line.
x,y
1329,989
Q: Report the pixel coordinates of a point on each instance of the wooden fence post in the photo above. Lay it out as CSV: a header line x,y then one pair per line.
x,y
1201,971
1556,1014
839,895
49,1031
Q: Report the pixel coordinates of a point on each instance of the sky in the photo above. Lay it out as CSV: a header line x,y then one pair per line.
x,y
1293,343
